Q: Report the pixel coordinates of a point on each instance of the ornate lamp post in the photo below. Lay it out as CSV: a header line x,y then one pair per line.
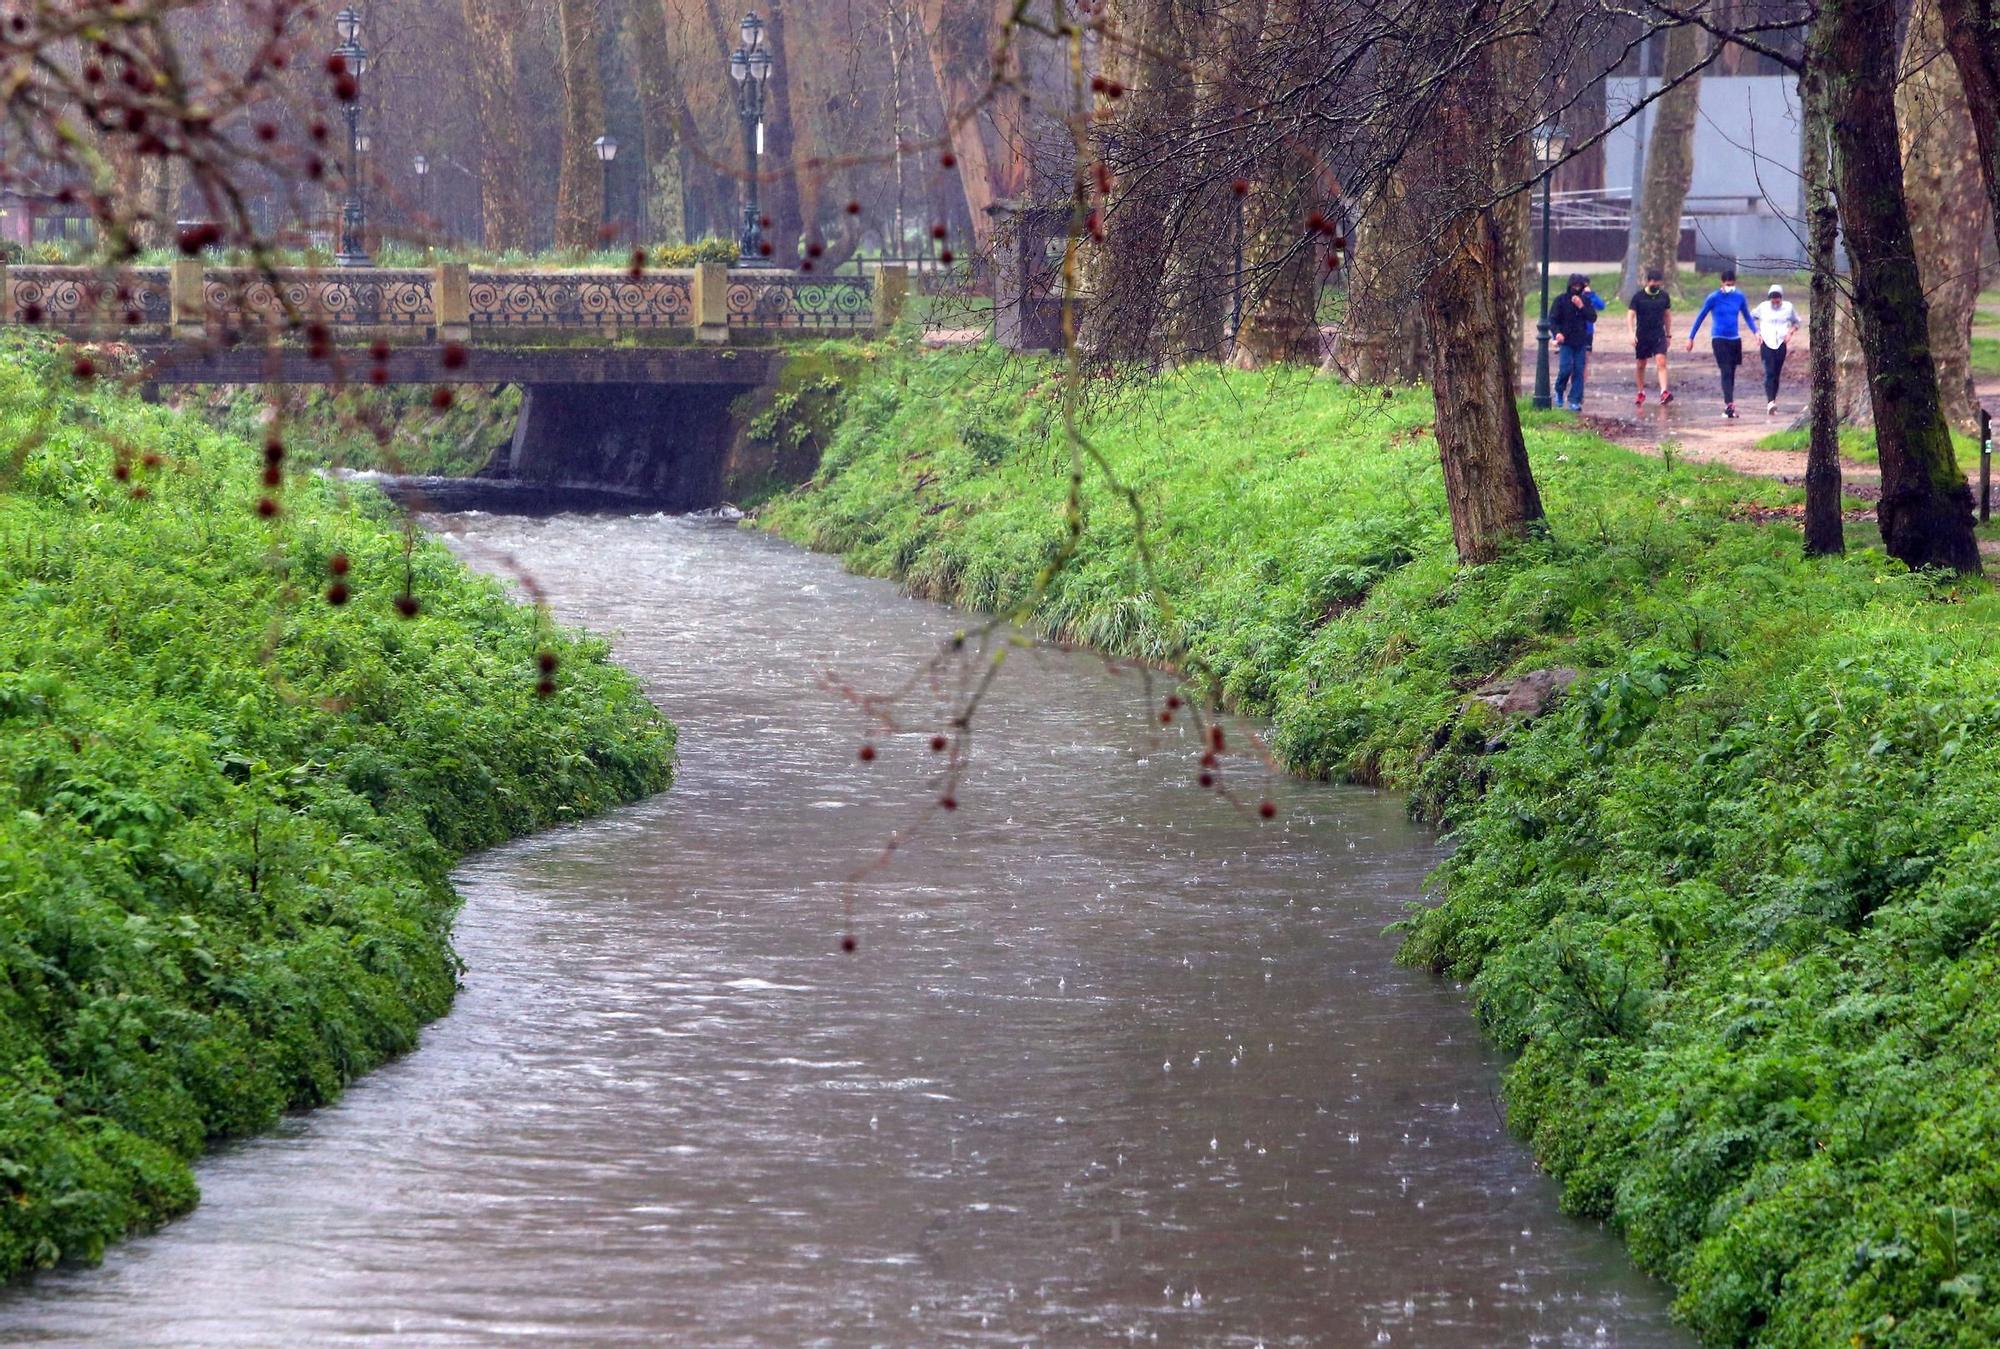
x,y
1550,142
347,24
607,150
750,67
422,166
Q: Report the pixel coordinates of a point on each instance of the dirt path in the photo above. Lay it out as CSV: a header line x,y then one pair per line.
x,y
1694,423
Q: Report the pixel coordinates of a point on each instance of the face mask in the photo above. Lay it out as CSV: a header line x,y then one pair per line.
x,y
1652,288
1729,285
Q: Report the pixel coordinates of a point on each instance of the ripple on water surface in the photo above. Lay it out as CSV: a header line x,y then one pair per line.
x,y
1113,1062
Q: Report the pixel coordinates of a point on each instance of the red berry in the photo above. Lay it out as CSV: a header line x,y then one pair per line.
x,y
273,475
379,349
948,160
853,208
545,687
453,356
1268,809
84,368
441,397
938,743
337,564
266,507
121,471
1241,187
938,231
1207,779
944,256
336,594
406,605
848,943
546,662
948,802
867,754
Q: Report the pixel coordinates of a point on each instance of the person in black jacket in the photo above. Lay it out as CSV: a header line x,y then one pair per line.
x,y
1572,319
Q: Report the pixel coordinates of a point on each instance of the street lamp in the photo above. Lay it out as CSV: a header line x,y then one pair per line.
x,y
422,166
347,24
607,150
1550,141
750,67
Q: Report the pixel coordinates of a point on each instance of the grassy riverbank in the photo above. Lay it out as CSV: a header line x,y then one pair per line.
x,y
227,806
1734,902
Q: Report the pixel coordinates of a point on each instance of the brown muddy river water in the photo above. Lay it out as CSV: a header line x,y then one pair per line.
x,y
1113,1064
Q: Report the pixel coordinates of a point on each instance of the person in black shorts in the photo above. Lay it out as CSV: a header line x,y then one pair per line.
x,y
1650,311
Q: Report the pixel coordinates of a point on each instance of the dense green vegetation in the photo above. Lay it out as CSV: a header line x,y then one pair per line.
x,y
394,428
1734,902
227,806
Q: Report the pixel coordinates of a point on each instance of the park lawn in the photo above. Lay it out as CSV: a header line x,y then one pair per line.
x,y
1857,444
1985,355
228,807
1732,906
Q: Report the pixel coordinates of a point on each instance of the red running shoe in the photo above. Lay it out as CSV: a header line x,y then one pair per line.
x,y
1666,397
1642,399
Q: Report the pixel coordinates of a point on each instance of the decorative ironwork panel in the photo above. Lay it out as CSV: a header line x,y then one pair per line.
x,y
365,297
85,297
581,300
799,300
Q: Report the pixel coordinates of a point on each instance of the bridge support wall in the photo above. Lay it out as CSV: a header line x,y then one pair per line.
x,y
667,443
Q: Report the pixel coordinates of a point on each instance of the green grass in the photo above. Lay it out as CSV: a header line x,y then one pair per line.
x,y
1857,444
394,428
1733,906
1985,355
227,806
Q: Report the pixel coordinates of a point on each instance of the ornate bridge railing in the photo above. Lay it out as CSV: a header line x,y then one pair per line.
x,y
769,299
374,297
192,302
83,297
581,300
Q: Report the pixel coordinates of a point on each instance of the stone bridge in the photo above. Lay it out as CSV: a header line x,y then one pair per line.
x,y
626,380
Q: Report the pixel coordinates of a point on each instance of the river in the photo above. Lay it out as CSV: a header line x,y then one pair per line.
x,y
1114,1062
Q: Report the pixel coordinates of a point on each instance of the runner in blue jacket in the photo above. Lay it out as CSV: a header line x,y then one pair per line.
x,y
1730,308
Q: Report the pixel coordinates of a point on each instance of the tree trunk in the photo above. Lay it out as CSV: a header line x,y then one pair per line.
x,y
580,179
1280,256
1825,533
1140,139
779,188
1489,487
1513,108
1669,161
503,133
962,52
661,104
1382,333
1948,211
1200,280
1972,34
1926,507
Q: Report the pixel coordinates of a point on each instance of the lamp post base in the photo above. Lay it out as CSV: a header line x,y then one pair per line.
x,y
346,259
1542,400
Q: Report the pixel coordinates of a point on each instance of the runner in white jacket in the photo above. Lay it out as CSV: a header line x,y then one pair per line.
x,y
1776,322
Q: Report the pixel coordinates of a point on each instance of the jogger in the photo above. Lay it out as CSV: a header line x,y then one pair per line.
x,y
1728,355
1730,309
1573,319
1650,321
1776,322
